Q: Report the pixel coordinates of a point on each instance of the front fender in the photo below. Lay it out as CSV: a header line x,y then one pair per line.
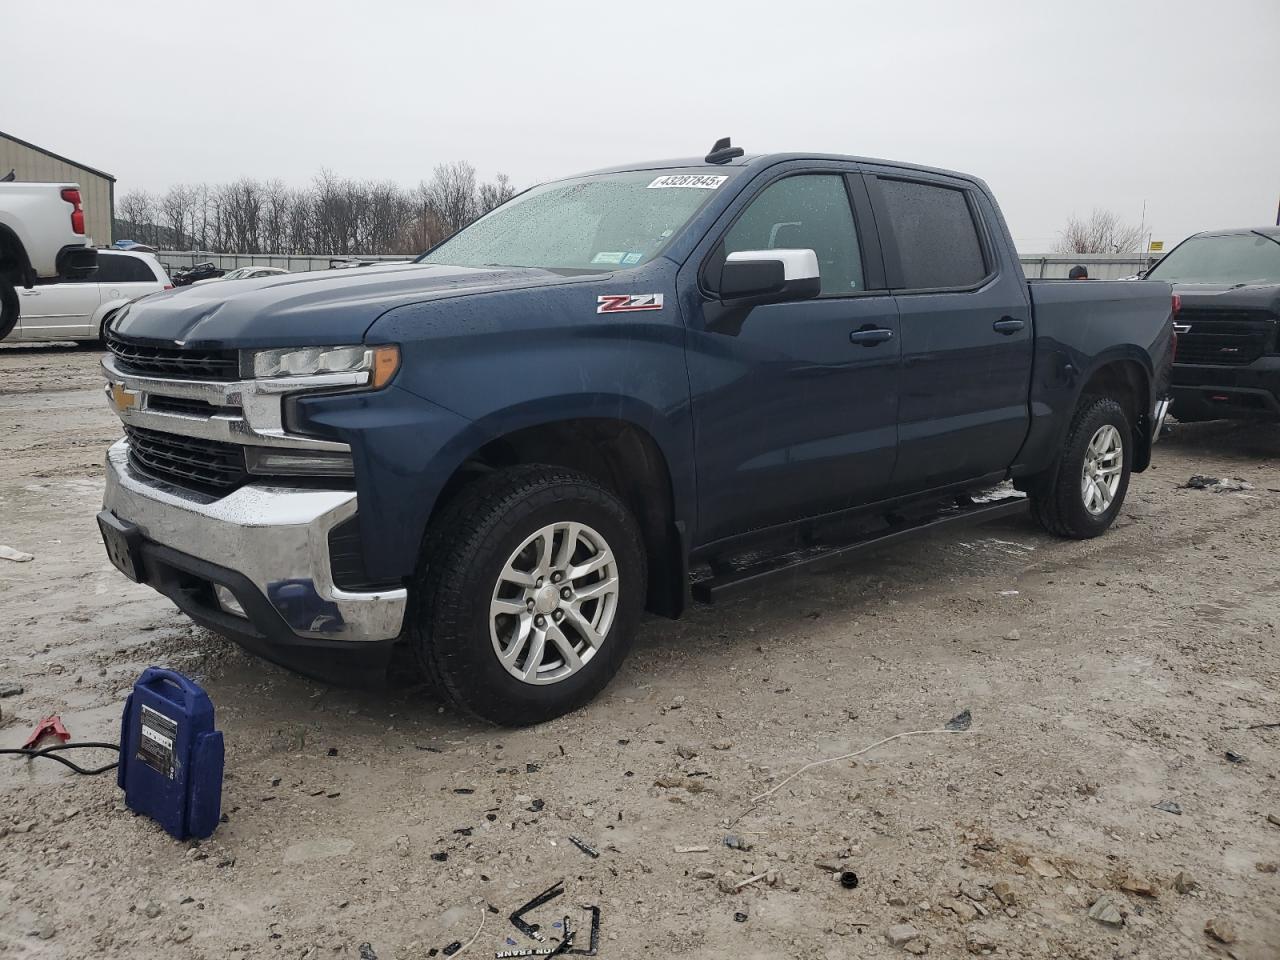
x,y
406,449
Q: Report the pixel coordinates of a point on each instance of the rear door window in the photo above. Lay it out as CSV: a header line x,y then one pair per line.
x,y
938,241
809,211
113,268
109,270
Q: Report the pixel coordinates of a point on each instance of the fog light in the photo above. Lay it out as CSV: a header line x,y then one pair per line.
x,y
314,463
227,601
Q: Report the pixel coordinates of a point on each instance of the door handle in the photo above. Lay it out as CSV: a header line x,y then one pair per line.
x,y
1008,325
870,336
30,293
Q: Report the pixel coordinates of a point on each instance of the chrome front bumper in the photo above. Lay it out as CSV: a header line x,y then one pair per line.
x,y
276,537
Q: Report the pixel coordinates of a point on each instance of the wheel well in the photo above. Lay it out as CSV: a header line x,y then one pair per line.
x,y
15,266
1127,383
621,457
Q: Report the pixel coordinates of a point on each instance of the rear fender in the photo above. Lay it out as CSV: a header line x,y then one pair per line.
x,y
1060,375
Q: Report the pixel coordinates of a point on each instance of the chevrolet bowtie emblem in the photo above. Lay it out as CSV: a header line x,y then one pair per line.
x,y
122,398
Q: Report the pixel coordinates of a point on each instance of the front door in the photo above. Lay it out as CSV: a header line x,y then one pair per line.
x,y
795,406
58,311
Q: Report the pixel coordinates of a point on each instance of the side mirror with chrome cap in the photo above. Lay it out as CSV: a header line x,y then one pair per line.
x,y
770,276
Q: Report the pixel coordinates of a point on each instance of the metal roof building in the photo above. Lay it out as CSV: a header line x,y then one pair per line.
x,y
38,165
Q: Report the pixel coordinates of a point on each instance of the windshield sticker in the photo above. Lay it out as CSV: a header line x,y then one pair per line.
x,y
609,257
631,258
699,181
628,303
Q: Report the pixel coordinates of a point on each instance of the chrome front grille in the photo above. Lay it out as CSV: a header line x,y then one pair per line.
x,y
205,434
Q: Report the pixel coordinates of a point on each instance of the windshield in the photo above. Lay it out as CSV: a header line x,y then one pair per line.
x,y
590,223
1230,258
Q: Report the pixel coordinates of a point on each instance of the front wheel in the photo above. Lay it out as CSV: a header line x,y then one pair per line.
x,y
1082,494
530,595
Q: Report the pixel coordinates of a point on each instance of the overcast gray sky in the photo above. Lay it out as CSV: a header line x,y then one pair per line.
x,y
1061,107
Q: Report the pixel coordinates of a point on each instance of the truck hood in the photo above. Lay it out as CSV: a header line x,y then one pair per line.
x,y
1223,296
325,306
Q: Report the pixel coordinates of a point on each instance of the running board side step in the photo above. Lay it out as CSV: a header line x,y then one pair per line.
x,y
730,583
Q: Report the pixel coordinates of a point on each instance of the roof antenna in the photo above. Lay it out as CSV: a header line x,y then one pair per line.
x,y
722,152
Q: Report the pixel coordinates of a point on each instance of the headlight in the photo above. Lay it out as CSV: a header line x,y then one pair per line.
x,y
380,363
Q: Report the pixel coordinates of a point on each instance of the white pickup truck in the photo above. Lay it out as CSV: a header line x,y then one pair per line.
x,y
42,238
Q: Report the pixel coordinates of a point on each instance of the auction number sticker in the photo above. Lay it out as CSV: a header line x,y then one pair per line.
x,y
699,181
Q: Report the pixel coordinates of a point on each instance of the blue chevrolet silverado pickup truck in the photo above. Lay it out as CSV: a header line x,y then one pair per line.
x,y
612,393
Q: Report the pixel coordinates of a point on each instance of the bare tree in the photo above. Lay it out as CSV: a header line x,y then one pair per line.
x,y
495,194
198,218
138,209
451,193
423,228
1103,232
334,216
175,213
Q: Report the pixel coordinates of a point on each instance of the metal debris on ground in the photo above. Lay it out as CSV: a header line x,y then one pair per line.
x,y
452,948
594,942
567,942
735,842
961,721
366,952
1168,806
848,879
546,896
585,847
1234,757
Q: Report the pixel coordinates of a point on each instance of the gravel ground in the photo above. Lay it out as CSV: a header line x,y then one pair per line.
x,y
1102,678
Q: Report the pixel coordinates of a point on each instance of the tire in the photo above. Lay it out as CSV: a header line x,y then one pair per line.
x,y
8,308
471,596
1061,501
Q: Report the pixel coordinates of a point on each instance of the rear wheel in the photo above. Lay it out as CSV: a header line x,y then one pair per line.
x,y
8,307
1082,494
533,586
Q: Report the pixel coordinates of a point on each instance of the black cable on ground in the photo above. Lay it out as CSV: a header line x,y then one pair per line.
x,y
53,751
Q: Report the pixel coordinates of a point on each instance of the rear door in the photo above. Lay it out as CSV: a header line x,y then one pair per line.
x,y
965,324
795,407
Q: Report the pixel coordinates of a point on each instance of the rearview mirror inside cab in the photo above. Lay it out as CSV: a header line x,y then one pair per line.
x,y
770,276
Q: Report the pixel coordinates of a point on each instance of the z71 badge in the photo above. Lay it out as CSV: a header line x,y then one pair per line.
x,y
628,302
